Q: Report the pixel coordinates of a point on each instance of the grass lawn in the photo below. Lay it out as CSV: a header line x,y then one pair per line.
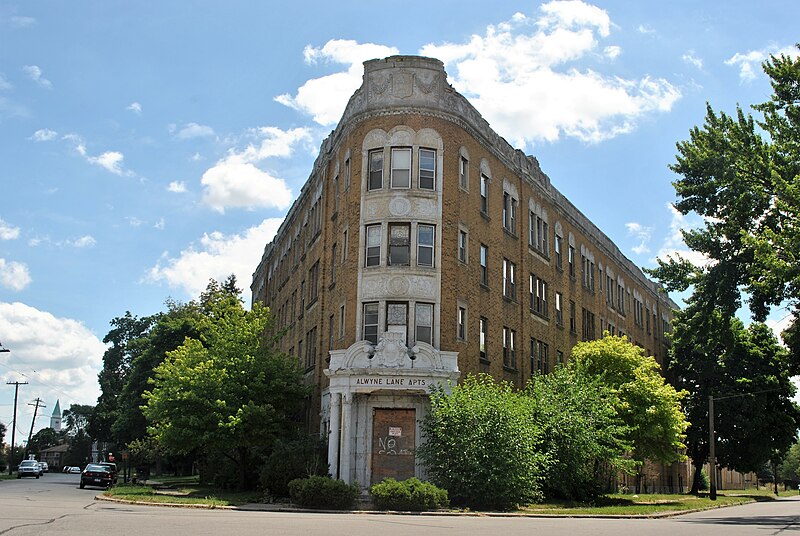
x,y
184,494
6,476
649,504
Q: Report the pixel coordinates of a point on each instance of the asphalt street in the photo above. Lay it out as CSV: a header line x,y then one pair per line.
x,y
54,505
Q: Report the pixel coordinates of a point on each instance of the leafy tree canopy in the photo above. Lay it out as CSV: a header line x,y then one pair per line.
x,y
229,390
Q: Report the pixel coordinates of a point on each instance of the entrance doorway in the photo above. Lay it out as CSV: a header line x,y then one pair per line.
x,y
394,433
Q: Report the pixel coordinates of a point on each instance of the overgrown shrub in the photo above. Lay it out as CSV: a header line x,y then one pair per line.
x,y
290,460
482,445
323,492
705,481
582,433
410,495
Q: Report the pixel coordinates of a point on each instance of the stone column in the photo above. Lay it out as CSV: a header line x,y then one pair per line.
x,y
333,435
347,438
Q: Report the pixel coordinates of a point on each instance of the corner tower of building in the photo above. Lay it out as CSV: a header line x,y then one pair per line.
x,y
423,247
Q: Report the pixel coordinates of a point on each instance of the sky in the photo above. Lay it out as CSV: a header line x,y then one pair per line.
x,y
146,147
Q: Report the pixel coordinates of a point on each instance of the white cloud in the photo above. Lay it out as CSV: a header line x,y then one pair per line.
x,y
646,29
177,187
133,221
196,157
44,134
692,59
22,22
324,99
58,356
5,84
519,74
642,234
14,275
86,241
193,130
135,107
217,256
674,245
35,74
159,224
612,52
109,160
8,232
750,62
235,181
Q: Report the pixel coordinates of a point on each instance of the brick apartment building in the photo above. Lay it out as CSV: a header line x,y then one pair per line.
x,y
422,248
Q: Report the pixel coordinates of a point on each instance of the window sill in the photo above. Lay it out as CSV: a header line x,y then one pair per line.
x,y
332,286
335,215
510,370
484,287
510,233
541,254
509,299
486,216
311,303
484,361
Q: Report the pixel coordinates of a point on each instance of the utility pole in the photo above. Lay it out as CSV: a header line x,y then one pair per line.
x,y
36,405
14,425
712,459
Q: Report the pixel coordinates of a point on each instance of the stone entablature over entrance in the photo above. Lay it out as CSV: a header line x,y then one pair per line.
x,y
377,387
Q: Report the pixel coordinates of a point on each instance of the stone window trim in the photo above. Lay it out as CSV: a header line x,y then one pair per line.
x,y
402,244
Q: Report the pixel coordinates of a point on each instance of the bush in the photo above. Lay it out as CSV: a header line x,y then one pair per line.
x,y
705,481
290,460
323,492
482,445
410,495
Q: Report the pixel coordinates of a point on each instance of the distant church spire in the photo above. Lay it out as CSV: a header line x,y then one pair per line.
x,y
55,419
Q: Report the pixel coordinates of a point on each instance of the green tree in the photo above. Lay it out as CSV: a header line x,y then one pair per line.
x,y
482,446
649,407
230,391
789,468
743,176
583,436
43,439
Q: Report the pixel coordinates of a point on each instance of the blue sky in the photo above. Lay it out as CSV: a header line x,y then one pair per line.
x,y
147,147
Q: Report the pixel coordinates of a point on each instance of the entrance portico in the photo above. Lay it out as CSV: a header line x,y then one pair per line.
x,y
377,398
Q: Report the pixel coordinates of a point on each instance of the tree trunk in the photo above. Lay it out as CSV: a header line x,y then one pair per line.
x,y
242,451
698,469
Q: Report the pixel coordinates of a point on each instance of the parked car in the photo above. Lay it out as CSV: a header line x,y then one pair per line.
x,y
96,475
74,470
28,468
111,467
45,466
42,468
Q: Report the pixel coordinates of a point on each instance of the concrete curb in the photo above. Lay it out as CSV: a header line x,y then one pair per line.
x,y
255,507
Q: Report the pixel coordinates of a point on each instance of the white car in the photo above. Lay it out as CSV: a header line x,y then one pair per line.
x,y
45,467
74,470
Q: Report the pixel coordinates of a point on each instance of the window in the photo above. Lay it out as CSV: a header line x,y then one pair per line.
x,y
509,279
344,245
559,307
401,168
537,234
484,194
588,272
311,348
346,174
399,244
461,323
427,169
330,332
336,194
573,328
397,318
509,213
484,329
373,257
484,265
557,247
423,320
341,321
333,264
509,348
313,287
370,322
538,295
463,173
462,246
571,261
540,361
375,170
425,245
559,357
588,325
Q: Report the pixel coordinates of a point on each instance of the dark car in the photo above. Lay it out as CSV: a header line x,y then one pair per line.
x,y
111,467
96,475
